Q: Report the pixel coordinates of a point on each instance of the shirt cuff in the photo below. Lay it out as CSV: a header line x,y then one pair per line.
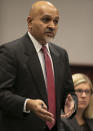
x,y
24,108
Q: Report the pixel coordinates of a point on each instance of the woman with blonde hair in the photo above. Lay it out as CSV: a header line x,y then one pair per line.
x,y
83,120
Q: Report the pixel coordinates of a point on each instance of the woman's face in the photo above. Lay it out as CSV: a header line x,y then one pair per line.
x,y
83,92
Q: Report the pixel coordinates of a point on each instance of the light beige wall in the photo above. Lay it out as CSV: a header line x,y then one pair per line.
x,y
75,27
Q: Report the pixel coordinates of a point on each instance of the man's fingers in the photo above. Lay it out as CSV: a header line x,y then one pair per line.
x,y
45,112
67,115
45,115
47,118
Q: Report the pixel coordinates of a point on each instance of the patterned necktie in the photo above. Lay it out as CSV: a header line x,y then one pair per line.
x,y
50,86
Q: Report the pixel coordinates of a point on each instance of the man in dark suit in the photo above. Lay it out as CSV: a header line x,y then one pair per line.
x,y
24,101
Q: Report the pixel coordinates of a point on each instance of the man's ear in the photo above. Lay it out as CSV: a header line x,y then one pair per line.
x,y
29,19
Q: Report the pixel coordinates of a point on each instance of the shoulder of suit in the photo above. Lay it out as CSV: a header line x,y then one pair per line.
x,y
15,44
57,47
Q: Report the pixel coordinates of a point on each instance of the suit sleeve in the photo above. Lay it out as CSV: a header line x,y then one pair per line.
x,y
9,101
69,87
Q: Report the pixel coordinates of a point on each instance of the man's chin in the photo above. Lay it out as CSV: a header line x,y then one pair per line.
x,y
49,39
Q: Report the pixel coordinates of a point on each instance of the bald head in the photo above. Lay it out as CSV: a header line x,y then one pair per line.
x,y
42,3
37,6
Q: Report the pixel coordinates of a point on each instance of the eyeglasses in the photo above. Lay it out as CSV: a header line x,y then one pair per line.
x,y
80,91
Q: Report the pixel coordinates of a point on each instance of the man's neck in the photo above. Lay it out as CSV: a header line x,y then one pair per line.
x,y
32,37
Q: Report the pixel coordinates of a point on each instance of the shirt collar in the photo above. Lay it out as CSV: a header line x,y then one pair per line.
x,y
36,44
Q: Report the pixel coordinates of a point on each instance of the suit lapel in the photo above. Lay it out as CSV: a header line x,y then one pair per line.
x,y
35,68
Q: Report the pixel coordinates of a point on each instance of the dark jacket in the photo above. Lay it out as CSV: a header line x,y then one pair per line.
x,y
21,77
72,125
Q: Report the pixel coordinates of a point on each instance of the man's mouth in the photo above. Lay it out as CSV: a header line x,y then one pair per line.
x,y
50,34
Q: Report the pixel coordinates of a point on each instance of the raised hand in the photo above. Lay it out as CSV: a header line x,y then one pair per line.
x,y
69,107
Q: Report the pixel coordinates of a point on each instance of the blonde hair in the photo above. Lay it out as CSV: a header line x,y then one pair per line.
x,y
82,78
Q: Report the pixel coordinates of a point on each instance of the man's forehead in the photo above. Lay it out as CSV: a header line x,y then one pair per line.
x,y
41,9
48,11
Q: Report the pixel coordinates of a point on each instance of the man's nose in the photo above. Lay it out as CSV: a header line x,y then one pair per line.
x,y
51,26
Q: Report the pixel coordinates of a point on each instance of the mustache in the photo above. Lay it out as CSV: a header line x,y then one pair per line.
x,y
49,30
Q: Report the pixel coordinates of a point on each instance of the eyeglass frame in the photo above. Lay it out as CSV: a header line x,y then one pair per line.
x,y
87,91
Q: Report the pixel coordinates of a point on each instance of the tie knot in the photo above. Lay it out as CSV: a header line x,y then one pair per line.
x,y
44,49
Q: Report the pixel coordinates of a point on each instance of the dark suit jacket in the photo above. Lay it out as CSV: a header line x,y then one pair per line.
x,y
21,77
72,125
